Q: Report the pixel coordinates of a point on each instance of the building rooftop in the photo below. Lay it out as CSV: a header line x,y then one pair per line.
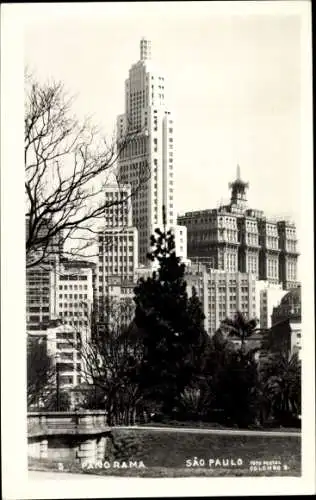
x,y
77,263
237,206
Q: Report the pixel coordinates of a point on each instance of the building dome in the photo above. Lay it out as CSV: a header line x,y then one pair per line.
x,y
292,297
290,306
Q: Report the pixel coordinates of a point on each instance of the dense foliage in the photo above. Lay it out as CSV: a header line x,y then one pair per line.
x,y
40,372
172,326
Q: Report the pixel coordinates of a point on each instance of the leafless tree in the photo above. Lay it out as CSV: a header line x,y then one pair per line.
x,y
110,364
67,166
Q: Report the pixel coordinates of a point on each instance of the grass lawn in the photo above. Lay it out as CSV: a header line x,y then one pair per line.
x,y
214,425
165,454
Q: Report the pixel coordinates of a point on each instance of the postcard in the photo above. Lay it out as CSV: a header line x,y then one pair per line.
x,y
157,243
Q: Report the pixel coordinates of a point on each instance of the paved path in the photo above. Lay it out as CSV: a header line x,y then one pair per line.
x,y
226,432
52,475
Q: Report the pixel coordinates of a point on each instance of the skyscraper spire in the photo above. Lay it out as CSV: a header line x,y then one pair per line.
x,y
145,49
238,172
238,191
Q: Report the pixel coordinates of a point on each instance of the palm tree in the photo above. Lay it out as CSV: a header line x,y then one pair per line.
x,y
240,326
281,384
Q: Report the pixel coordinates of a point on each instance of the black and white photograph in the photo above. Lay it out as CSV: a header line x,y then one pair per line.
x,y
157,225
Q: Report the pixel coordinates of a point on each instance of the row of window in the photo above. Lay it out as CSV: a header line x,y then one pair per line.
x,y
37,319
73,287
36,282
113,250
38,273
72,305
117,270
69,367
38,300
38,309
66,335
37,291
73,296
73,277
220,283
38,286
230,306
72,313
114,259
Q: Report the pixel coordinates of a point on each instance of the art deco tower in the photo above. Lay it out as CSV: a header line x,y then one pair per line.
x,y
152,150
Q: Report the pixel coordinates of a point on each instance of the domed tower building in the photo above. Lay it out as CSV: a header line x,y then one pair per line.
x,y
236,238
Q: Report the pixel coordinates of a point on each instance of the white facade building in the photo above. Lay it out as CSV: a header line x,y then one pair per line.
x,y
60,290
72,297
118,250
268,296
147,163
63,347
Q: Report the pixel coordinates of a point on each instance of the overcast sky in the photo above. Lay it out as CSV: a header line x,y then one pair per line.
x,y
233,82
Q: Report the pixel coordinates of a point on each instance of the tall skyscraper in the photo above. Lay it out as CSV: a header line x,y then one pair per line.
x,y
151,150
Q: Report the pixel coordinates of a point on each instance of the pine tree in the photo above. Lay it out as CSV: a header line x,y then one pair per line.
x,y
171,324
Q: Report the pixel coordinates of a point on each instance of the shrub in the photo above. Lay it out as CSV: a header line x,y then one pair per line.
x,y
124,447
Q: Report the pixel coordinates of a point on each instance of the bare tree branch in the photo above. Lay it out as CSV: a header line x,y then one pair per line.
x,y
67,166
110,361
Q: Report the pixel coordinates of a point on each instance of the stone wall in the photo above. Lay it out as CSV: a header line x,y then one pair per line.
x,y
70,436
